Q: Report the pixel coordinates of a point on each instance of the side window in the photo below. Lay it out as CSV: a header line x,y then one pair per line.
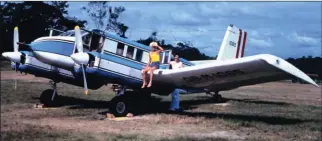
x,y
120,49
139,54
130,52
145,57
110,46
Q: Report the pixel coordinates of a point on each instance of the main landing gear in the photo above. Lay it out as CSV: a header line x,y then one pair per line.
x,y
216,96
127,101
49,97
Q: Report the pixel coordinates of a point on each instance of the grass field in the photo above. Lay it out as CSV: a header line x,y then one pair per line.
x,y
271,111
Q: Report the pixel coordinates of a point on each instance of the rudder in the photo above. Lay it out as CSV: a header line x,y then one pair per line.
x,y
233,45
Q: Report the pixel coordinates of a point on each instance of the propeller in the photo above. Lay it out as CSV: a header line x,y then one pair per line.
x,y
15,39
16,48
15,55
80,58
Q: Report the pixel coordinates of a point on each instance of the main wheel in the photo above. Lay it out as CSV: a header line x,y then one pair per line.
x,y
119,106
45,97
217,98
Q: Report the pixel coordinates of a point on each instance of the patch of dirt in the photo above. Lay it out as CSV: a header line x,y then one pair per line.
x,y
11,75
270,111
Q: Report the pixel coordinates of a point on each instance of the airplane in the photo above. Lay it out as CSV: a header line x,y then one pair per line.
x,y
91,59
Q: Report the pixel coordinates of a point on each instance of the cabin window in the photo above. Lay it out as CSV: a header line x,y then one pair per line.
x,y
96,43
139,54
145,57
120,49
130,52
110,46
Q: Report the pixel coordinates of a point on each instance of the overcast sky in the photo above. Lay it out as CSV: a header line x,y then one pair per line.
x,y
284,29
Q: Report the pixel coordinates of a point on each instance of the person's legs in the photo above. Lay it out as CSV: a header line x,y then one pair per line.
x,y
175,103
151,76
175,100
144,71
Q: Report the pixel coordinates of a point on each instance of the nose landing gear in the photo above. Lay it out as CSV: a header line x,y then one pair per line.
x,y
49,97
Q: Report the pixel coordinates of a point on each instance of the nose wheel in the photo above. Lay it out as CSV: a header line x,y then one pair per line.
x,y
49,97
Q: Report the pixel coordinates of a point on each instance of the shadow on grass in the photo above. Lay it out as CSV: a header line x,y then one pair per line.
x,y
158,106
259,101
77,103
274,120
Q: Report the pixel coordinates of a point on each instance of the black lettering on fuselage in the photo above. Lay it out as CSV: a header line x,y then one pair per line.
x,y
212,76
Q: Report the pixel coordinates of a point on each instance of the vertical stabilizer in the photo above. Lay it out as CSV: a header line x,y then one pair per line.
x,y
233,44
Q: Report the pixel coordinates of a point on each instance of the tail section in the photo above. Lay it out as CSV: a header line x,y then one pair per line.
x,y
233,45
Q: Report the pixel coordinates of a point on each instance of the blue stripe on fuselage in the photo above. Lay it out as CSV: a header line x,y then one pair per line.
x,y
120,60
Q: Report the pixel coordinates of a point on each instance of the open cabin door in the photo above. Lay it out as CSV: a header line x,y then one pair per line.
x,y
165,59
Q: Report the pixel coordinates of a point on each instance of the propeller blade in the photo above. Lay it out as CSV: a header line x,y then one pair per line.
x,y
16,67
16,77
85,83
78,39
15,39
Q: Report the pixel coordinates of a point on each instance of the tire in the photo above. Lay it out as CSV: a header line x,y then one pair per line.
x,y
119,106
45,97
217,98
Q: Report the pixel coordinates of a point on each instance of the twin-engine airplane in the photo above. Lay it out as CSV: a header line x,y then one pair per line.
x,y
91,59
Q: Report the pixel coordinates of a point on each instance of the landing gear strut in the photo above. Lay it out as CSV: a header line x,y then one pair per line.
x,y
216,96
49,97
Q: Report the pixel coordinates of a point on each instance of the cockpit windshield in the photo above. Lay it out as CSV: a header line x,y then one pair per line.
x,y
72,33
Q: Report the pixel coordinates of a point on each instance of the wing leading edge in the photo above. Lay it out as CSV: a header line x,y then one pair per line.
x,y
230,74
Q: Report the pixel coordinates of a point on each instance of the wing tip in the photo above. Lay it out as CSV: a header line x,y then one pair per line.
x,y
275,61
316,85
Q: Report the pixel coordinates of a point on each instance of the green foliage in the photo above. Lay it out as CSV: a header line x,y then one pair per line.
x,y
97,11
33,20
184,50
104,15
308,64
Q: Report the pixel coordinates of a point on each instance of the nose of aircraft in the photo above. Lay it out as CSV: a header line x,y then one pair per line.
x,y
12,56
80,58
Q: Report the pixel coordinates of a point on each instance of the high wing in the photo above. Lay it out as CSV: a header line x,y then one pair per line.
x,y
229,74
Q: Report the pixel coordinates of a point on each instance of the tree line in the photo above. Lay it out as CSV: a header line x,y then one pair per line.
x,y
35,18
309,65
